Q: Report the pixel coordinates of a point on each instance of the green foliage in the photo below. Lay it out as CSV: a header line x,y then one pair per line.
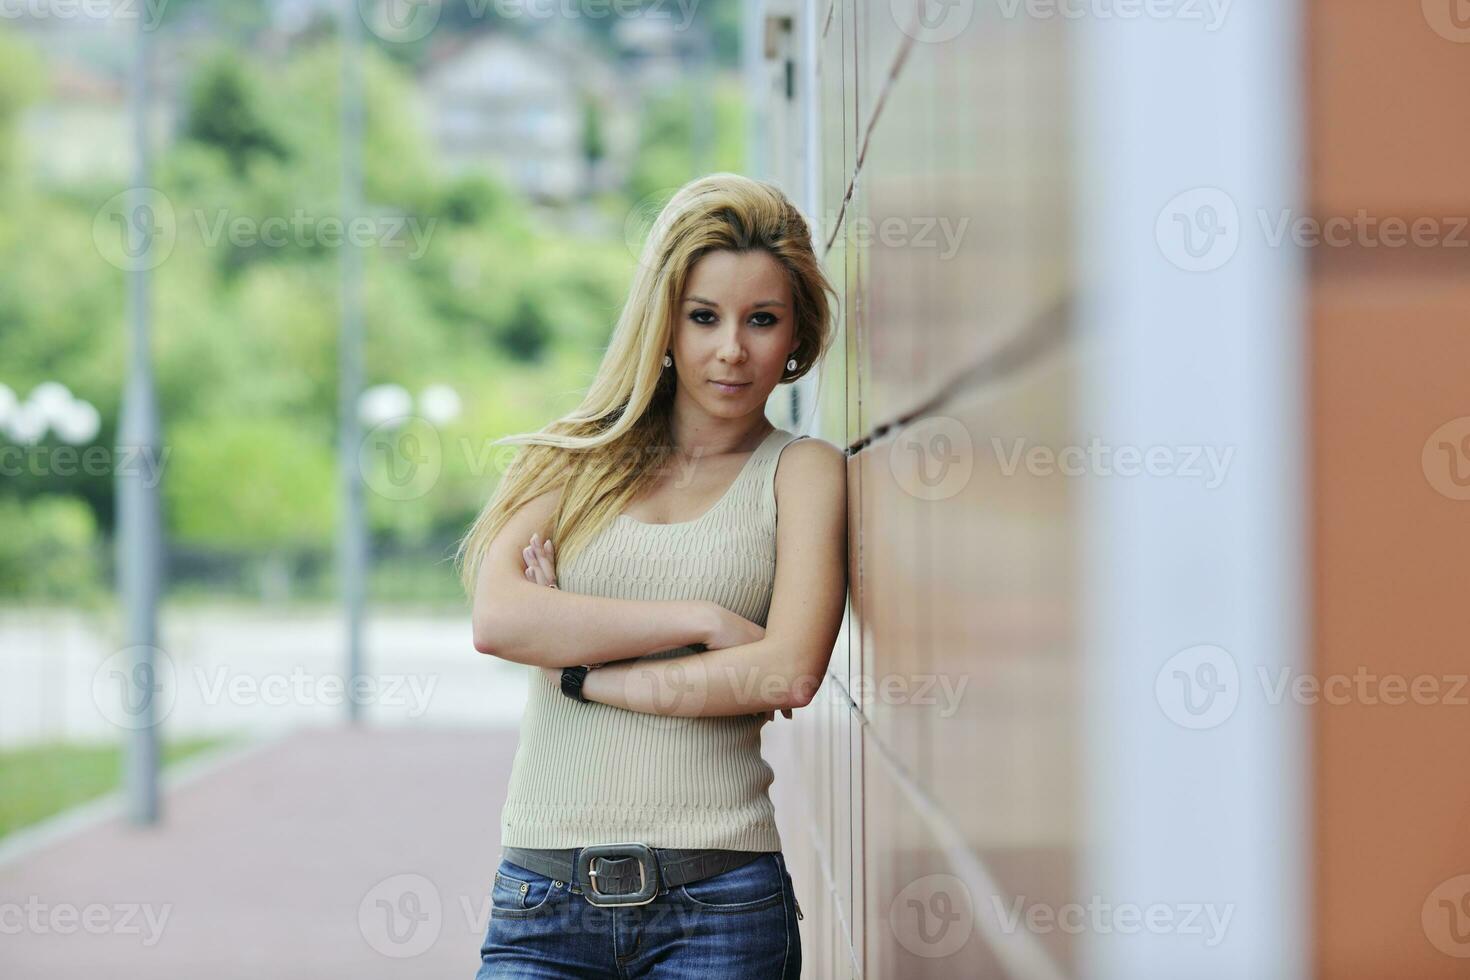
x,y
667,154
20,83
225,113
464,284
39,781
594,147
476,200
48,550
250,484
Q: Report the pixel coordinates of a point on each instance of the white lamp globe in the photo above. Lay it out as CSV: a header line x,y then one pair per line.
x,y
52,399
439,404
26,425
78,424
381,403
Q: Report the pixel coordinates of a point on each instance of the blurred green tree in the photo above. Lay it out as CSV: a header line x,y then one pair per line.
x,y
225,112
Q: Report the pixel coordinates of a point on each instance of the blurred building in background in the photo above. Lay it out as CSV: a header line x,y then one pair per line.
x,y
520,109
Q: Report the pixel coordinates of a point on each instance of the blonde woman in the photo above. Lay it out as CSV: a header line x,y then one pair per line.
x,y
632,552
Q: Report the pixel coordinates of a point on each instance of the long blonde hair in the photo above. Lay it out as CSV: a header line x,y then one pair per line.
x,y
617,440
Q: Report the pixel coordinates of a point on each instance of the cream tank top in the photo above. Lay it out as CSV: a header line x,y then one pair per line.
x,y
595,774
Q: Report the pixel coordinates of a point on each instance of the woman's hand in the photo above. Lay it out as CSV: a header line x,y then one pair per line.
x,y
540,559
732,630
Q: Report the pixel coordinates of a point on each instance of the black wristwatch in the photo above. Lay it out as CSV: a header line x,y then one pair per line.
x,y
571,682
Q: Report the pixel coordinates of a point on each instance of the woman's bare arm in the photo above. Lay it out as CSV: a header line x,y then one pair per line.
x,y
510,615
785,668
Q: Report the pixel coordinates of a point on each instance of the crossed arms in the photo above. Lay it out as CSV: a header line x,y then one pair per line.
x,y
524,622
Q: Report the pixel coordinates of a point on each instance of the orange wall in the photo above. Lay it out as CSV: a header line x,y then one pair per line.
x,y
1391,365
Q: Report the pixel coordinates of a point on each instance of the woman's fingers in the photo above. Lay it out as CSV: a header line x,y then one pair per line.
x,y
540,566
544,558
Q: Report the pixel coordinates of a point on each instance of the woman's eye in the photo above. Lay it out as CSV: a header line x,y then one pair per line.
x,y
698,316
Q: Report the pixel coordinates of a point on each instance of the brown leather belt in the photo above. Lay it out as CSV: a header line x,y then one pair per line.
x,y
627,873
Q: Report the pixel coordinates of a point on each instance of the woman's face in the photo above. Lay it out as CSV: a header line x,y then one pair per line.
x,y
735,323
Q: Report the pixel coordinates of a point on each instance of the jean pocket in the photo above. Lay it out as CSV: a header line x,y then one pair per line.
x,y
518,891
753,885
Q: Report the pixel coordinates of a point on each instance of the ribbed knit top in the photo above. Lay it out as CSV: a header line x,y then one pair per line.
x,y
596,774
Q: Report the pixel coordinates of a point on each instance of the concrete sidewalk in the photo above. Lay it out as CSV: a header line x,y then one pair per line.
x,y
328,853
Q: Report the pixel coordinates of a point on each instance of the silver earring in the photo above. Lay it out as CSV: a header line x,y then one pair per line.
x,y
668,361
791,364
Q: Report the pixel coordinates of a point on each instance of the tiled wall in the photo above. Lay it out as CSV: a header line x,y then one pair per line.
x,y
938,768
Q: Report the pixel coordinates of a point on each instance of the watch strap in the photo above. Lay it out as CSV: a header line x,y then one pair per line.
x,y
571,682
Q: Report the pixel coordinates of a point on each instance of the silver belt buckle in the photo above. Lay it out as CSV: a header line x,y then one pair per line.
x,y
647,873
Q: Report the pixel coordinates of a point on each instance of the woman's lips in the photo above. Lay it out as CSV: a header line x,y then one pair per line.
x,y
729,389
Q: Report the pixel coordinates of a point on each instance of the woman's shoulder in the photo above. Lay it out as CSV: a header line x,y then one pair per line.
x,y
809,446
811,463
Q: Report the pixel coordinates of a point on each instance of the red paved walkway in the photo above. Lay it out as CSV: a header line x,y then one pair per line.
x,y
328,854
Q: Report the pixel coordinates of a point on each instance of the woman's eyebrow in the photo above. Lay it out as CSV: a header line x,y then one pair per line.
x,y
710,302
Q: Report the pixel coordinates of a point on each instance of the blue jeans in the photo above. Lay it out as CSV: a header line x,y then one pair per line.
x,y
736,925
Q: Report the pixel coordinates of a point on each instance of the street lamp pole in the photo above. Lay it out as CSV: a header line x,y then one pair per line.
x,y
352,541
139,540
